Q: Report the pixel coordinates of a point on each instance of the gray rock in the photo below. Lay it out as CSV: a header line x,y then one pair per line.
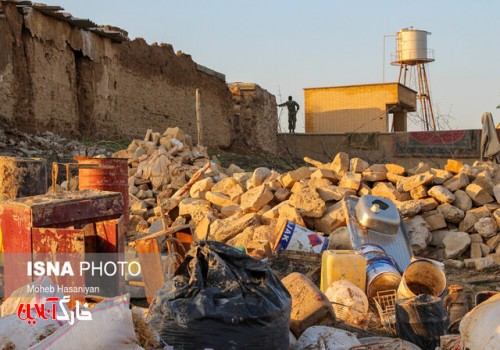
x,y
455,244
419,233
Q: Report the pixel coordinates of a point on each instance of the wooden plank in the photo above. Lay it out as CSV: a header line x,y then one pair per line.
x,y
152,272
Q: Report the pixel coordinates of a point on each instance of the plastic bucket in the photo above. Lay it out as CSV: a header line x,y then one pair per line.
x,y
381,275
422,277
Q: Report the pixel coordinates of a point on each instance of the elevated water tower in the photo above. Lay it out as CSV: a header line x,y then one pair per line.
x,y
412,56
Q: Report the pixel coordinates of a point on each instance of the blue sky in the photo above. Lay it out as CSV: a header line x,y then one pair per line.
x,y
288,45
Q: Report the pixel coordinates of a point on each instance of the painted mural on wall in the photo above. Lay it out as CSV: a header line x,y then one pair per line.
x,y
448,144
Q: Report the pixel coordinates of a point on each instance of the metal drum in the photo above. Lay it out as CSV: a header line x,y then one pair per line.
x,y
110,174
382,273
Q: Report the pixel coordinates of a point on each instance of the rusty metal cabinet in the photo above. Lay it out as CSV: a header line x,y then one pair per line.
x,y
64,226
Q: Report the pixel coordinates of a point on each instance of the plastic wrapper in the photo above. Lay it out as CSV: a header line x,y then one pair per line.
x,y
222,299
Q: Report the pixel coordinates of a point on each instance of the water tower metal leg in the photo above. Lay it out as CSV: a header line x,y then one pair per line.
x,y
428,94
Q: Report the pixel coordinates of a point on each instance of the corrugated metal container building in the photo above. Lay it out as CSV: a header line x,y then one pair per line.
x,y
358,108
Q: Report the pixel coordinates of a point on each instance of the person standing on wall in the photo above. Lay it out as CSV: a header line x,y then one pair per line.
x,y
293,108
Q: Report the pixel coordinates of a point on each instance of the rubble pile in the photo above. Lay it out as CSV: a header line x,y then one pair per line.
x,y
159,165
450,213
46,145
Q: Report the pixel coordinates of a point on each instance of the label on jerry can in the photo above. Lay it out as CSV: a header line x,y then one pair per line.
x,y
295,237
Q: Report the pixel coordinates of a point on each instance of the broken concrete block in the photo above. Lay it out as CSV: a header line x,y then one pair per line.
x,y
241,239
475,251
418,192
471,217
230,210
421,168
496,192
200,187
289,213
492,206
340,239
266,232
483,179
476,238
451,213
333,218
457,182
470,171
408,208
290,178
417,180
329,193
358,165
259,249
485,249
462,201
255,198
453,166
456,264
138,208
495,257
364,189
340,164
230,187
496,216
225,229
259,176
396,180
324,174
438,237
308,203
456,243
346,191
272,213
419,233
282,194
478,195
470,262
440,176
428,204
305,314
484,263
232,169
395,169
441,194
385,190
376,172
318,182
298,186
493,242
487,227
133,190
195,208
434,219
350,180
218,198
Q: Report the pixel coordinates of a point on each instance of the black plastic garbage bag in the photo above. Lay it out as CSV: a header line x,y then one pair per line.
x,y
222,299
422,320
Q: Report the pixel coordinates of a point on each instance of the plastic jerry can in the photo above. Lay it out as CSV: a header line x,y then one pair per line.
x,y
342,265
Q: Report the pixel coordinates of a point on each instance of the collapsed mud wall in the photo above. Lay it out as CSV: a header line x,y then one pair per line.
x,y
254,119
58,77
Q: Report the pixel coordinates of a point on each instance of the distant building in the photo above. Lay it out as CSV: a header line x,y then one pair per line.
x,y
358,108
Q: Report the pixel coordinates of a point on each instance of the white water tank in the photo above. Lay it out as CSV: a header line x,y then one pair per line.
x,y
412,47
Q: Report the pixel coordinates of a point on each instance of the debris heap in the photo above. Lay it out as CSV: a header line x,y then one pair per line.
x,y
450,213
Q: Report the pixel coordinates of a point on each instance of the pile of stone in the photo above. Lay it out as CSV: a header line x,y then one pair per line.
x,y
159,165
450,213
47,145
